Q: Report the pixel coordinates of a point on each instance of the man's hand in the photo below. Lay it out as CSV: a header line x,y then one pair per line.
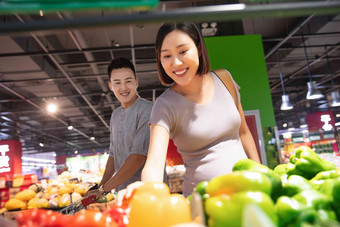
x,y
95,192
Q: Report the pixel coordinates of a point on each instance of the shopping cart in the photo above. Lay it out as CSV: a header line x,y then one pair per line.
x,y
80,204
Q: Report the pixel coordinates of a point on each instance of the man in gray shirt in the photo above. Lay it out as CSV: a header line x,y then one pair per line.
x,y
129,130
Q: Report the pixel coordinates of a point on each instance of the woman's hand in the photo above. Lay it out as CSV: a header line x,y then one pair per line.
x,y
125,195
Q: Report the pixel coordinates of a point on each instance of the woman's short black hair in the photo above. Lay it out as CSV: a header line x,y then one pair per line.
x,y
120,63
193,32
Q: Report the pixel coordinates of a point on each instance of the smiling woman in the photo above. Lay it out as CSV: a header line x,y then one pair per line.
x,y
197,112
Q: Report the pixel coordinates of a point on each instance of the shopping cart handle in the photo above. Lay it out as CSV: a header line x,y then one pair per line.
x,y
87,201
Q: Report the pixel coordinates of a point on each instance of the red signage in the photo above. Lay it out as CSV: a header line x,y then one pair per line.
x,y
323,120
10,158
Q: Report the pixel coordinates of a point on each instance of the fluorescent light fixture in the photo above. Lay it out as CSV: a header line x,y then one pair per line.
x,y
337,124
287,135
337,115
38,160
239,6
286,105
313,92
52,108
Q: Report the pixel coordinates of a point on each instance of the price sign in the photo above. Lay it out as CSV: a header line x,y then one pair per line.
x,y
297,138
314,136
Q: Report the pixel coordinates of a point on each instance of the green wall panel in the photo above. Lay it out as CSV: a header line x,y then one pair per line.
x,y
243,57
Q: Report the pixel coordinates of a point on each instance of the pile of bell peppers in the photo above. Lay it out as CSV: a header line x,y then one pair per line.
x,y
305,191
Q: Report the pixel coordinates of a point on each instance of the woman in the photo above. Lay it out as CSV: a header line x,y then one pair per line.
x,y
197,112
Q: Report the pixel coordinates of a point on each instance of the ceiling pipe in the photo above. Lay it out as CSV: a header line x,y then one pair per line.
x,y
79,40
199,14
78,95
63,78
290,35
41,109
308,35
297,72
60,52
35,37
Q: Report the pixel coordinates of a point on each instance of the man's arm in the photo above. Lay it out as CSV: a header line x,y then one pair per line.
x,y
109,170
125,172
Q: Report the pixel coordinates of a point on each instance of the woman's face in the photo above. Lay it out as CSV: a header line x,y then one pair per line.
x,y
179,57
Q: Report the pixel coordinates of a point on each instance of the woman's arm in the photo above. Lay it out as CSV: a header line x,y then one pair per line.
x,y
155,162
247,139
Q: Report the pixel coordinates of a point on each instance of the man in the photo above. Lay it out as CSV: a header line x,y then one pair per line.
x,y
130,131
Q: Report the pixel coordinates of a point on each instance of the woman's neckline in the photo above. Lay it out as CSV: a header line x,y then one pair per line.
x,y
205,102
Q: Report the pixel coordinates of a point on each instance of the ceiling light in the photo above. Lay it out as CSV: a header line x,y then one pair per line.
x,y
52,108
313,92
337,115
284,125
337,124
92,138
286,105
41,144
70,127
76,151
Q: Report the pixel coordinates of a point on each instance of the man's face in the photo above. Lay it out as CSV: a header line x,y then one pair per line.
x,y
124,85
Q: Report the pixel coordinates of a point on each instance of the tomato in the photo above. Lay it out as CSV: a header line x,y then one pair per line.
x,y
42,218
92,218
119,214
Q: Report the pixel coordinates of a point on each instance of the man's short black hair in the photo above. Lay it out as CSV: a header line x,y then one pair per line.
x,y
120,63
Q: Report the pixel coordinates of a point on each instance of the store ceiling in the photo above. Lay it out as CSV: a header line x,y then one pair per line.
x,y
68,67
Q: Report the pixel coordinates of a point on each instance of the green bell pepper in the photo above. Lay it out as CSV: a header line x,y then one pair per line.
x,y
248,164
331,187
224,210
293,213
318,201
336,197
331,174
201,188
237,181
314,199
281,169
307,163
295,184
